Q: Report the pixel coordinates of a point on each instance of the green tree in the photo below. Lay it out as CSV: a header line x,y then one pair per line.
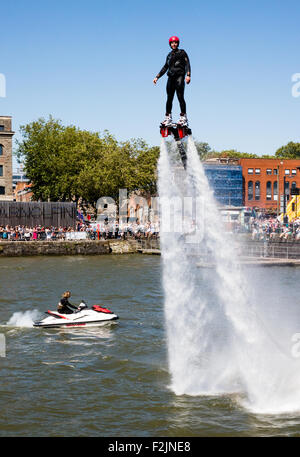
x,y
206,152
289,151
233,153
65,163
203,149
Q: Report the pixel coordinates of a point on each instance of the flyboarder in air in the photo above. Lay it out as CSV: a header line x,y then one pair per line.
x,y
179,71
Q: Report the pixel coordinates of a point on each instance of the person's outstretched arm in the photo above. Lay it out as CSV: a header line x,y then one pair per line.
x,y
162,71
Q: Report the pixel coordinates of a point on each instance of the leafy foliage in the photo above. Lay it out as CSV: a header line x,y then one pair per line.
x,y
65,163
289,151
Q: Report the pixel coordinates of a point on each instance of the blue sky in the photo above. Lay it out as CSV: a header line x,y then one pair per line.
x,y
92,63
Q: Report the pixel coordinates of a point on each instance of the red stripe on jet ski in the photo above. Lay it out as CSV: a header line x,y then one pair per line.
x,y
56,315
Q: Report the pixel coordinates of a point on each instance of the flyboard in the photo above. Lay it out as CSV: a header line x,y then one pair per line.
x,y
179,132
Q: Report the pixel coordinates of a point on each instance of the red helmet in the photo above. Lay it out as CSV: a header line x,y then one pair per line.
x,y
174,38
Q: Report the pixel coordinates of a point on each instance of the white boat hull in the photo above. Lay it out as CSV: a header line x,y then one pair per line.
x,y
84,318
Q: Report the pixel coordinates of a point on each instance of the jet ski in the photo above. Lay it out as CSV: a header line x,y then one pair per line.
x,y
83,317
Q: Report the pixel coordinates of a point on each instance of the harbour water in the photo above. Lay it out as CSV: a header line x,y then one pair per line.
x,y
114,380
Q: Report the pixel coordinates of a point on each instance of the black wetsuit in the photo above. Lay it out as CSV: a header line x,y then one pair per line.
x,y
65,307
178,65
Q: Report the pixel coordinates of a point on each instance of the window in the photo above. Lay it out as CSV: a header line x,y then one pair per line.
x,y
250,171
286,171
250,190
257,171
269,190
294,189
269,171
275,192
1,150
275,171
1,128
294,171
257,190
1,170
2,190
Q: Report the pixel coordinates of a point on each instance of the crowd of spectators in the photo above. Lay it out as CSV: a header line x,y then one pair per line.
x,y
260,229
134,230
273,229
24,233
92,231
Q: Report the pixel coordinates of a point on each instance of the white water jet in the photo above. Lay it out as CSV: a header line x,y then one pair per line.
x,y
23,319
217,342
194,343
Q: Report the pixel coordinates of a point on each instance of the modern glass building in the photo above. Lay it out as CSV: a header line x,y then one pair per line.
x,y
227,183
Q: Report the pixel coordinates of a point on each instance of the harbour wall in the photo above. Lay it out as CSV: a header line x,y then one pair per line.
x,y
33,248
245,249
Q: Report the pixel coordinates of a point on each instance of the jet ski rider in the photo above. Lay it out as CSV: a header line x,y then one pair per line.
x,y
64,306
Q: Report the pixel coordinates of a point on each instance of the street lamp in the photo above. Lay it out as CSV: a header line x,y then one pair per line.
x,y
278,193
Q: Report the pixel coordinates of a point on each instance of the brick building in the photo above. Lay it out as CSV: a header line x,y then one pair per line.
x,y
6,135
23,192
266,181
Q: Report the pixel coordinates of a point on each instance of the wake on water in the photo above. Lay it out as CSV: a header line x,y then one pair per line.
x,y
217,343
23,319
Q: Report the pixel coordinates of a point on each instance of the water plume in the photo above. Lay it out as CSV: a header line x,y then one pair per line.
x,y
217,341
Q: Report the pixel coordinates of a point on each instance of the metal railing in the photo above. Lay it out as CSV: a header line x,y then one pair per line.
x,y
271,250
254,249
